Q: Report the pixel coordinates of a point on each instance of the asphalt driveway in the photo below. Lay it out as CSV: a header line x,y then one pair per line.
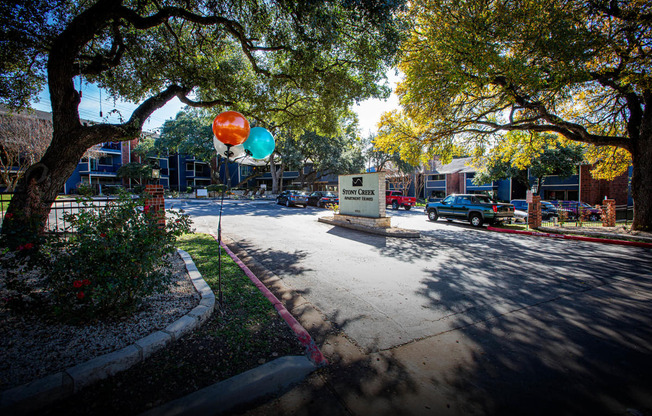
x,y
385,292
489,323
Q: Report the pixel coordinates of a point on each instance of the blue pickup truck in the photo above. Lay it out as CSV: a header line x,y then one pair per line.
x,y
474,208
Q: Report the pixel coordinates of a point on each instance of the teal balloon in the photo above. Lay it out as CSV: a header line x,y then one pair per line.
x,y
260,143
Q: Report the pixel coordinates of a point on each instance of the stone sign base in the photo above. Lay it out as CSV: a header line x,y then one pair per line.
x,y
379,226
385,222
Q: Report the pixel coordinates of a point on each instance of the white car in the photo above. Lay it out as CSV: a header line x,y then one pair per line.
x,y
520,216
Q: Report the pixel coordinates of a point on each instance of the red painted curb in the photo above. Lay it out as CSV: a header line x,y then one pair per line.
x,y
312,351
573,237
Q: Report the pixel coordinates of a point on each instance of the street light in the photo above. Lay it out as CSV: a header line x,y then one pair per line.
x,y
156,173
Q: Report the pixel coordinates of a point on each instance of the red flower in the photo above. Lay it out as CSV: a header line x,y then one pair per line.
x,y
77,283
102,235
8,216
80,295
28,246
146,209
86,282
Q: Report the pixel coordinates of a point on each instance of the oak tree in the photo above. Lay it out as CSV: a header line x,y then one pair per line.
x,y
301,61
578,68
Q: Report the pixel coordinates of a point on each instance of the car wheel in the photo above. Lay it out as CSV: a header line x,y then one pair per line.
x,y
432,215
287,203
593,217
475,220
278,201
407,207
320,205
394,205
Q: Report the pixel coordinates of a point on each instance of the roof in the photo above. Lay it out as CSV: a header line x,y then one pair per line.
x,y
460,165
26,113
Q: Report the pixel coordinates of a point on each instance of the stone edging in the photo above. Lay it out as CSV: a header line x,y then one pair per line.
x,y
38,393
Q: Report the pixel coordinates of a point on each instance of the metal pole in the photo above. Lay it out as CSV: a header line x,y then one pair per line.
x,y
219,244
219,229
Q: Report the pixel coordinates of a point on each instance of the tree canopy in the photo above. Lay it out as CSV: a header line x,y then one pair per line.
x,y
190,133
581,69
282,63
522,152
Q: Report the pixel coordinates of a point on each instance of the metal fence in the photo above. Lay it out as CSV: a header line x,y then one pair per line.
x,y
56,221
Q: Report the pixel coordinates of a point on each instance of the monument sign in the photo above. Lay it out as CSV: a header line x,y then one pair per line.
x,y
362,195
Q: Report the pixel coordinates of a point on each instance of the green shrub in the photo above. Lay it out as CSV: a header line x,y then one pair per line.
x,y
85,189
112,190
113,261
216,188
138,189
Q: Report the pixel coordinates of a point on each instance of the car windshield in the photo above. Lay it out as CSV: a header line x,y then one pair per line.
x,y
330,195
547,204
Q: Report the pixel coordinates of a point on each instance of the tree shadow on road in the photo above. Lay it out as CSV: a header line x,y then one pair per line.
x,y
548,340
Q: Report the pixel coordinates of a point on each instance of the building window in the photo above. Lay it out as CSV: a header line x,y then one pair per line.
x,y
436,177
105,160
190,166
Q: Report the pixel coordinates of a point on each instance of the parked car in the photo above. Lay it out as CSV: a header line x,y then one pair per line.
x,y
396,200
575,208
292,198
591,212
519,204
548,210
322,199
520,215
477,209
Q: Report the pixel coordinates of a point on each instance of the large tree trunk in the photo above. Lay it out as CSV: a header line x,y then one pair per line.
x,y
38,188
642,182
277,175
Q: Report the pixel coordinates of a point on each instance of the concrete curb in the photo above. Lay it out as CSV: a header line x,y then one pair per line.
x,y
573,237
312,351
258,383
39,393
387,232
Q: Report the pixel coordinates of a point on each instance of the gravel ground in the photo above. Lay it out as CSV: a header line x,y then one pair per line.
x,y
31,348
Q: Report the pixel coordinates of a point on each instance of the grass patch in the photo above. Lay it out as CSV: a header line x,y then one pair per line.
x,y
5,199
245,334
520,226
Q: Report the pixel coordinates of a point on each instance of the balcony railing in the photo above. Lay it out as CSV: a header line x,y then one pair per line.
x,y
111,146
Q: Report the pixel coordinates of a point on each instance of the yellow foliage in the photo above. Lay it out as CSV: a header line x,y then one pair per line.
x,y
610,162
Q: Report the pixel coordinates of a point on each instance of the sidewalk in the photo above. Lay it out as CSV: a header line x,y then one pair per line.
x,y
590,235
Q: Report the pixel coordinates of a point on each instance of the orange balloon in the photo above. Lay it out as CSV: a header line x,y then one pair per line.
x,y
231,128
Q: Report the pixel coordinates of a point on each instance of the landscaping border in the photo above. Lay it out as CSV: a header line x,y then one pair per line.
x,y
39,393
312,351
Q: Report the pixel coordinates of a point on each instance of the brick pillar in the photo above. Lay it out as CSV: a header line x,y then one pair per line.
x,y
382,207
156,202
609,213
534,212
